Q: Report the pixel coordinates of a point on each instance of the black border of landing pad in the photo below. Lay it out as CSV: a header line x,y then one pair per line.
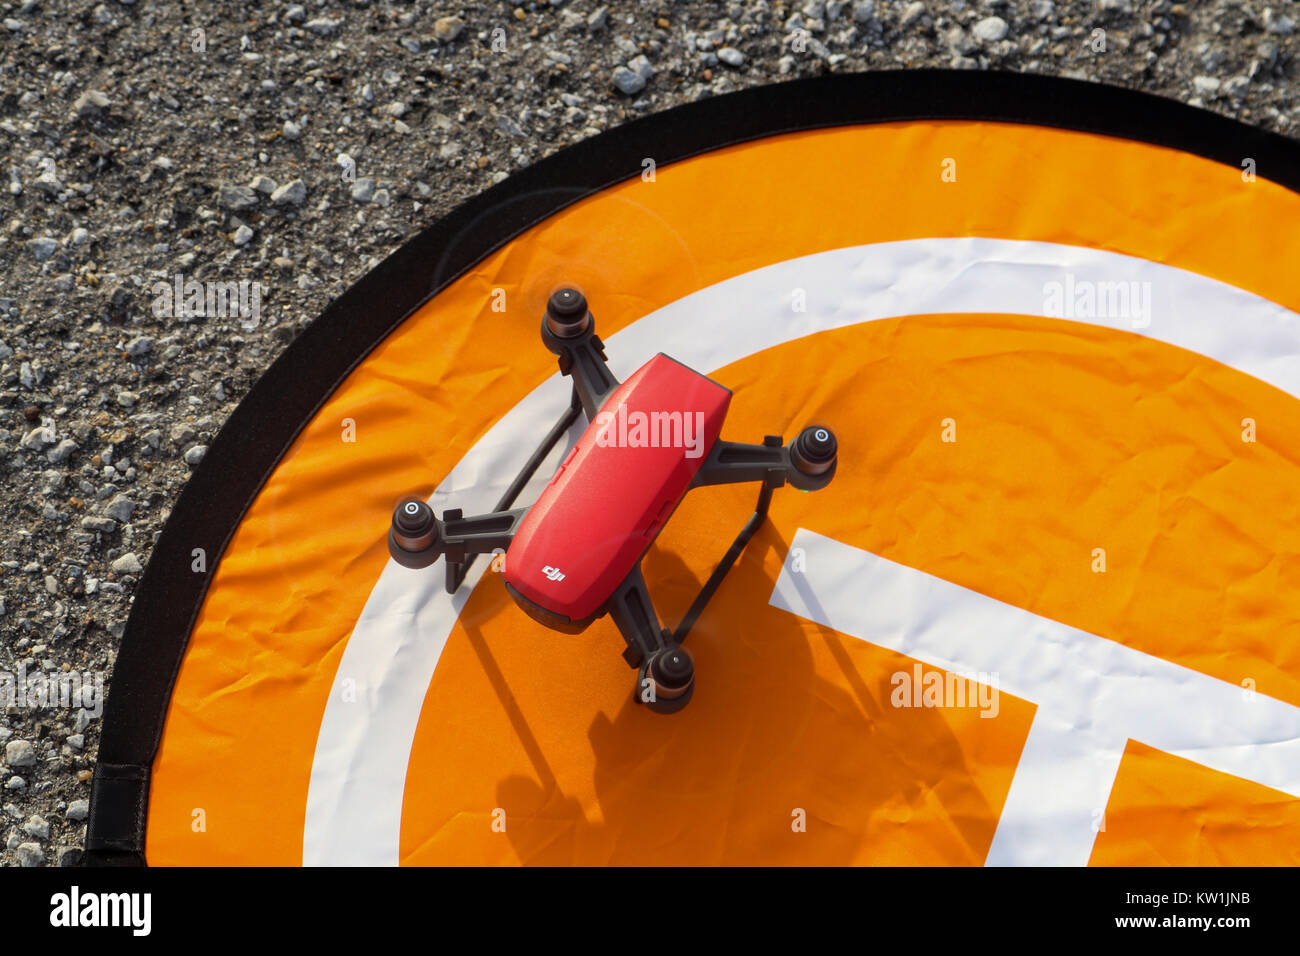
x,y
288,395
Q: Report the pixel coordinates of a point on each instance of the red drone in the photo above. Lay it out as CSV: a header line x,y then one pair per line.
x,y
575,554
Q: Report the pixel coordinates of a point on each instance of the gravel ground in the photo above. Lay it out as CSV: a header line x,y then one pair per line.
x,y
293,148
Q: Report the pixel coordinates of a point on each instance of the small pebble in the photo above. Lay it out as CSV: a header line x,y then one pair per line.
x,y
128,563
447,29
322,26
42,247
62,451
990,29
290,194
363,189
140,345
120,508
19,753
90,103
237,198
627,82
30,854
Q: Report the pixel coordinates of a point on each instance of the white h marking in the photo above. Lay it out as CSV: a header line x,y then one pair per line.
x,y
1094,694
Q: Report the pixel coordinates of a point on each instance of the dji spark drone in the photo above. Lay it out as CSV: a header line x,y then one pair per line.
x,y
575,554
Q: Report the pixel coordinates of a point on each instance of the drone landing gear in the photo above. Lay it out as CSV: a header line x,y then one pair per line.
x,y
733,554
665,671
458,568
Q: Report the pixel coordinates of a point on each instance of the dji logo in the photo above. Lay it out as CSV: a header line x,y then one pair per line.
x,y
555,574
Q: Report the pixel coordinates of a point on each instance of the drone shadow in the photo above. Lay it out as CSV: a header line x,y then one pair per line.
x,y
761,738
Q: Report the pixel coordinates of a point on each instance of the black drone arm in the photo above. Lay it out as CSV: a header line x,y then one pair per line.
x,y
479,534
634,614
665,672
808,462
569,331
417,537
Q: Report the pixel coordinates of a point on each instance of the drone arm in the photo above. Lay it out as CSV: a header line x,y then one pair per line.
x,y
569,331
665,672
729,462
808,462
634,615
592,379
417,537
479,534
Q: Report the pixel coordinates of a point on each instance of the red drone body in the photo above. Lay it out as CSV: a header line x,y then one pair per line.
x,y
611,496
